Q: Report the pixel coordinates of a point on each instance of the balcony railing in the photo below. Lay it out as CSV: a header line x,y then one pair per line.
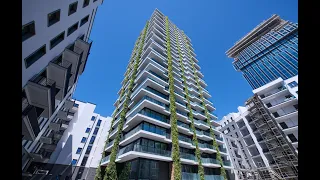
x,y
267,95
185,139
145,149
285,100
157,75
196,176
205,145
209,160
188,156
183,125
221,149
141,127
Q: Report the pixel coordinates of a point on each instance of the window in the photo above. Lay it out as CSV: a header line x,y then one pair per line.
x,y
292,138
268,105
85,3
55,41
79,150
28,30
92,140
72,29
297,92
84,161
233,127
293,84
275,114
53,17
75,105
88,149
83,140
99,122
95,132
88,130
73,8
93,118
74,162
283,125
35,56
296,106
84,20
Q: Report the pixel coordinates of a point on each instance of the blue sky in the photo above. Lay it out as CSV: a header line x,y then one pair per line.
x,y
213,26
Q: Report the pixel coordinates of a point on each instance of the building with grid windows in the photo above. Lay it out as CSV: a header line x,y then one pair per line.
x,y
262,138
268,52
84,140
163,126
55,49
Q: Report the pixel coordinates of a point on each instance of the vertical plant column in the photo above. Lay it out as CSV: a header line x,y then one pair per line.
x,y
194,139
111,170
173,116
99,174
222,170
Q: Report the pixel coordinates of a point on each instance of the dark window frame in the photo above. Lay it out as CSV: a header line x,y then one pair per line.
x,y
85,3
78,152
72,28
34,56
54,21
29,26
86,19
71,6
57,40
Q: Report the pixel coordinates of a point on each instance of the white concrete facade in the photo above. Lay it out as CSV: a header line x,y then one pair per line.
x,y
280,97
37,11
50,76
83,120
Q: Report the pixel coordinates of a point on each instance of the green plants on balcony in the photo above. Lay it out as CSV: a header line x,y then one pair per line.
x,y
173,116
100,173
111,170
222,170
194,139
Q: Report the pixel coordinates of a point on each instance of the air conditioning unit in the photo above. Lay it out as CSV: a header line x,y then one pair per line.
x,y
40,171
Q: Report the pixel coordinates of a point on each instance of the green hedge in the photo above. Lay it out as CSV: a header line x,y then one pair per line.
x,y
111,170
173,115
194,139
222,170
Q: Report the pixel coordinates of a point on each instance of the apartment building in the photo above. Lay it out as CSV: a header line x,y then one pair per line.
x,y
256,132
80,146
267,52
55,49
84,140
163,115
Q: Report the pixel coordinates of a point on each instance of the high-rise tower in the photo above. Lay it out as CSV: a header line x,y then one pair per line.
x,y
268,52
164,126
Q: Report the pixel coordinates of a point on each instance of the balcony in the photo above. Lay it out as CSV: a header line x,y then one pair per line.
x,y
84,44
59,70
286,115
40,92
281,104
281,91
30,126
72,54
147,115
144,131
41,156
222,149
133,151
65,115
196,176
70,104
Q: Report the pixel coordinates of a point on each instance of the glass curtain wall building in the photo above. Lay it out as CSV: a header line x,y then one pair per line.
x,y
164,126
268,52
